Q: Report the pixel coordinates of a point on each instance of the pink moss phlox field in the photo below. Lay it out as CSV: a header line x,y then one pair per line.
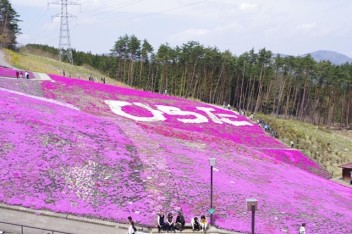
x,y
90,161
11,73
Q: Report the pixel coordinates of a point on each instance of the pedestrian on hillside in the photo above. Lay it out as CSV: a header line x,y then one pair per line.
x,y
180,221
291,144
26,75
302,229
17,74
131,229
161,221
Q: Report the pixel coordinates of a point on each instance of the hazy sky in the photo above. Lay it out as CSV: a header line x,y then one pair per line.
x,y
292,27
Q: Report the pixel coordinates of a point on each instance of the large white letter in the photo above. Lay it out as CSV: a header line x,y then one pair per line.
x,y
116,107
233,122
170,110
208,111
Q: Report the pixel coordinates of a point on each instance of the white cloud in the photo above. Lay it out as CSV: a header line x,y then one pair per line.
x,y
29,3
307,27
237,25
189,35
312,29
247,6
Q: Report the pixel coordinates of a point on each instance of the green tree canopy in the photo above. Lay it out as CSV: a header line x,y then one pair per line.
x,y
8,24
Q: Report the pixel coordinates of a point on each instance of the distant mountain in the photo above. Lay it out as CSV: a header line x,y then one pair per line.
x,y
321,55
333,57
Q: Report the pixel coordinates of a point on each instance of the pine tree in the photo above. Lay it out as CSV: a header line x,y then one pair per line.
x,y
8,25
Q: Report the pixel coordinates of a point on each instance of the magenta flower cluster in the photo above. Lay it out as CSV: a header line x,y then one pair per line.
x,y
11,73
63,148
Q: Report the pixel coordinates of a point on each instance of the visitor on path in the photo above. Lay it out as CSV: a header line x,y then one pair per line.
x,y
161,221
26,74
131,229
302,229
203,223
17,74
195,224
21,74
291,144
180,221
170,225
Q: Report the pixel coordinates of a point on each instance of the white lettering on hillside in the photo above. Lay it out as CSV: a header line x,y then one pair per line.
x,y
226,119
116,107
170,110
188,116
212,116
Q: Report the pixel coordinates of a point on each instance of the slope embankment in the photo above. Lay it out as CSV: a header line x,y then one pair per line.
x,y
107,152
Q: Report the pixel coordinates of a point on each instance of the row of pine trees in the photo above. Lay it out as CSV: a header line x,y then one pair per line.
x,y
255,81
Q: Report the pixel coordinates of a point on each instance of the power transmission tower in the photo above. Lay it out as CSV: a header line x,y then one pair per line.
x,y
65,50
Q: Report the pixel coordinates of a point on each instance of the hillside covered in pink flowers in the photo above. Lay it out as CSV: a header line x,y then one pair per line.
x,y
101,151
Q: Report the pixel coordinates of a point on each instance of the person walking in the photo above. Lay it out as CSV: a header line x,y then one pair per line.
x,y
131,229
302,229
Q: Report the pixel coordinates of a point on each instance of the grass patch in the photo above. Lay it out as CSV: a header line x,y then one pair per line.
x,y
329,148
36,63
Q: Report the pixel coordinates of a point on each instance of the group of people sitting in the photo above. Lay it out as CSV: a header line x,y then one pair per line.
x,y
168,224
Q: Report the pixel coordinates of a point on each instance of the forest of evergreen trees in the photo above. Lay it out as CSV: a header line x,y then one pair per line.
x,y
256,81
9,28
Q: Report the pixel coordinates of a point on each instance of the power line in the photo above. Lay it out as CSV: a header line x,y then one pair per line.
x,y
65,50
151,14
118,6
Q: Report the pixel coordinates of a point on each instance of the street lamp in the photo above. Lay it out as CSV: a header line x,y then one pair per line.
x,y
212,162
252,205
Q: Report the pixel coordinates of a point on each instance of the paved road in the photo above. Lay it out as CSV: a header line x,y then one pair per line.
x,y
62,224
66,223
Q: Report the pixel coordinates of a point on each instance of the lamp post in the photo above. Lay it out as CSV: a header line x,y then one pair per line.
x,y
211,210
252,205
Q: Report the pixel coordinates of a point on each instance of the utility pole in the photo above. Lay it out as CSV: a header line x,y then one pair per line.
x,y
65,50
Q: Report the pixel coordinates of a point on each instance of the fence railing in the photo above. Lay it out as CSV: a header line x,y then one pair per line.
x,y
24,227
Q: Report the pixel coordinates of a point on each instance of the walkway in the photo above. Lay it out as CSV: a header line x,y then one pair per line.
x,y
66,223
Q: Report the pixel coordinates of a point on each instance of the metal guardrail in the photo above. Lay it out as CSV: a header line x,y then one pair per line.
x,y
25,226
